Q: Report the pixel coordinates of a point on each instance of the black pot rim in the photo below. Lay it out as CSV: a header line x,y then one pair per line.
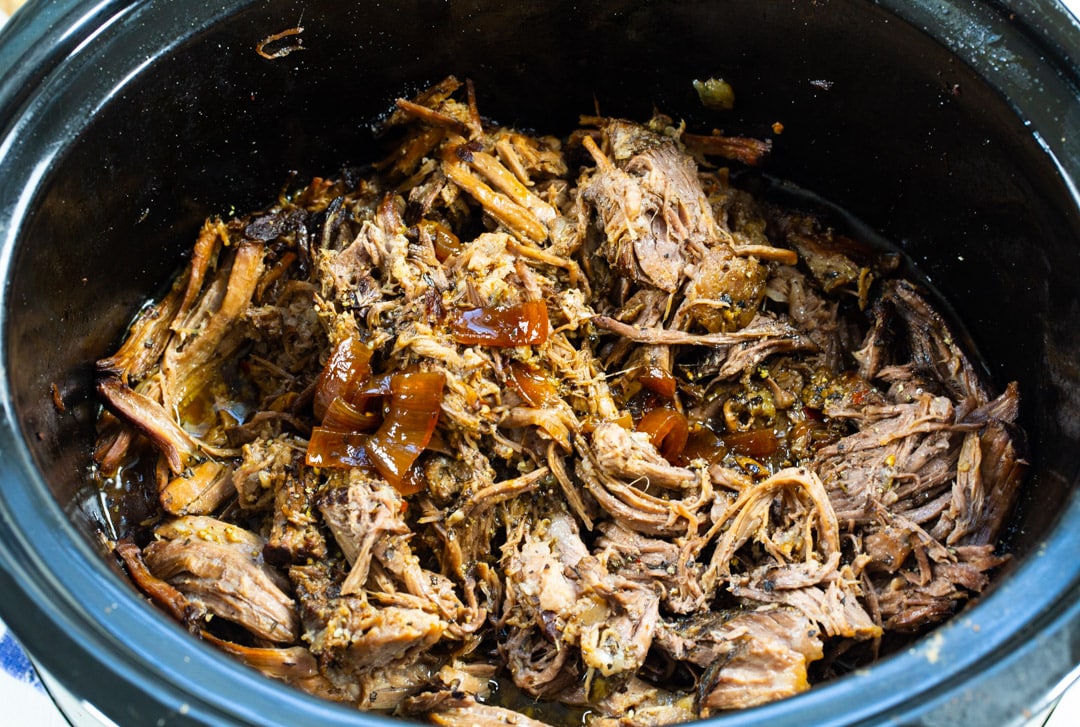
x,y
93,612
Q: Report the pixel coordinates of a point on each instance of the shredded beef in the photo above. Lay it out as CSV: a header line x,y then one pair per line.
x,y
506,425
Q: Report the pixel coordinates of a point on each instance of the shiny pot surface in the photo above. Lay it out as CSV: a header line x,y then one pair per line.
x,y
947,127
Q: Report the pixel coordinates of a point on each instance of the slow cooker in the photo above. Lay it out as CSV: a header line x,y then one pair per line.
x,y
949,127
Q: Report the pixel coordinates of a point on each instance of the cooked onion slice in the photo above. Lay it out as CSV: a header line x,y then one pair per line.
x,y
348,367
341,416
333,448
534,386
753,443
667,429
445,242
522,324
658,381
411,416
415,401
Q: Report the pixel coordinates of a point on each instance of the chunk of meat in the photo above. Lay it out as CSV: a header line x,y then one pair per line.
x,y
990,468
177,446
221,567
902,456
474,714
835,607
650,204
556,586
295,535
772,651
349,629
207,335
725,291
933,346
802,539
294,665
385,688
631,456
360,511
631,506
265,466
165,595
654,562
199,490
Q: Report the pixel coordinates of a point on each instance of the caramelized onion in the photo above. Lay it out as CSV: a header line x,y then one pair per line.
x,y
342,416
412,412
445,242
703,443
756,443
658,381
377,387
668,430
522,324
331,448
533,385
348,367
415,400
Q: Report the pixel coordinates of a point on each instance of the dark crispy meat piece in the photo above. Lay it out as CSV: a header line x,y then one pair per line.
x,y
701,639
931,591
347,275
164,594
177,446
539,666
146,340
738,148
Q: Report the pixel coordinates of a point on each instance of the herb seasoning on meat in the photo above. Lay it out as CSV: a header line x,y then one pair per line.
x,y
573,428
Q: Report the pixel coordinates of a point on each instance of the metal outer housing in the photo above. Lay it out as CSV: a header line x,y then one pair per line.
x,y
947,126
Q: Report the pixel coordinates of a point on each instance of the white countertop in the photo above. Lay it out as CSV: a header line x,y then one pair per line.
x,y
24,698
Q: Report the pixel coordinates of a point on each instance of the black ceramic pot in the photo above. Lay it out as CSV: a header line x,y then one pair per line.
x,y
950,127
